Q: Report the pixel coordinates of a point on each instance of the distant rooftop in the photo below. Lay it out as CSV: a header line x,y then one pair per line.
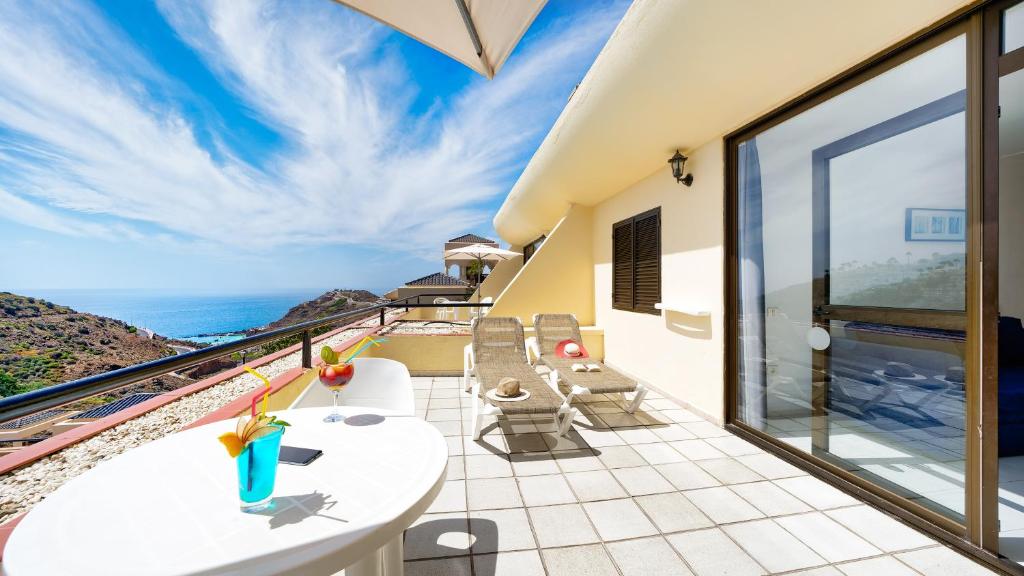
x,y
115,406
437,279
473,239
30,419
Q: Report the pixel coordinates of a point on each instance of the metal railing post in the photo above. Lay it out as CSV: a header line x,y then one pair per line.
x,y
307,349
382,316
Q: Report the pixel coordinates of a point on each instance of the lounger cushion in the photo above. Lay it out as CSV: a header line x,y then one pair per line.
x,y
554,328
543,399
607,381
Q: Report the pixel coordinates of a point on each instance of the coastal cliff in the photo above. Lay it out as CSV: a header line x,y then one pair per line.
x,y
327,304
42,344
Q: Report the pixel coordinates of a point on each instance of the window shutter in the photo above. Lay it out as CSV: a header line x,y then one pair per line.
x,y
647,258
622,265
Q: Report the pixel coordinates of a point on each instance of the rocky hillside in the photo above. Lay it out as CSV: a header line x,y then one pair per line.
x,y
327,304
42,343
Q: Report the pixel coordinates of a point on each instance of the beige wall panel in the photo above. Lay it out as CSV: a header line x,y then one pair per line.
x,y
680,354
558,278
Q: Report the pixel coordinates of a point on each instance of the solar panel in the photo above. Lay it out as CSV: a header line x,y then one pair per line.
x,y
115,406
31,419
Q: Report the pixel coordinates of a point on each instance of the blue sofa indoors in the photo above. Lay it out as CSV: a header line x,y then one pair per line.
x,y
1011,387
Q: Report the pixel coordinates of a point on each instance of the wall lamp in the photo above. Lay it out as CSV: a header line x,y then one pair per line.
x,y
678,162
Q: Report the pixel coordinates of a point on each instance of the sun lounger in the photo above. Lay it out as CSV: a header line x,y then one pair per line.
x,y
554,328
499,351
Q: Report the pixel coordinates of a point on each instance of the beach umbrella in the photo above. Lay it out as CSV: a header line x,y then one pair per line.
x,y
480,253
479,33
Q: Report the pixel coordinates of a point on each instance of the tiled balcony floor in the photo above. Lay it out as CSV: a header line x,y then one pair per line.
x,y
659,492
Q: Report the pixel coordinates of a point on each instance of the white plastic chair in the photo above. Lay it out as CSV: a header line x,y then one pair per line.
x,y
482,311
377,383
444,312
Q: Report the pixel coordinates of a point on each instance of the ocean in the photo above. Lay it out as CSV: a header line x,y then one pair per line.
x,y
200,318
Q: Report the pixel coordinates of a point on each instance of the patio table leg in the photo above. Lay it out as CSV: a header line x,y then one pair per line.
x,y
393,553
369,565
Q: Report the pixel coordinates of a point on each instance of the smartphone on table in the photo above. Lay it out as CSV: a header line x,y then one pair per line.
x,y
298,456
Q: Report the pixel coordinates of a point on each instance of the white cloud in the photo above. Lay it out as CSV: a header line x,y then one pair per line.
x,y
80,132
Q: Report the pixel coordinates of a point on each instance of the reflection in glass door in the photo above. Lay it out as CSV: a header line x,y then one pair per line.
x,y
1010,331
852,284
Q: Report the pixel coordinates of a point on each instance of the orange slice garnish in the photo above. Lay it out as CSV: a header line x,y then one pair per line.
x,y
232,442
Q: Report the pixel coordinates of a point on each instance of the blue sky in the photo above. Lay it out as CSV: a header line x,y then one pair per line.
x,y
259,145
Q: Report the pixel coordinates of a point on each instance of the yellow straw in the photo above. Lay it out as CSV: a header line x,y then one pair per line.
x,y
263,409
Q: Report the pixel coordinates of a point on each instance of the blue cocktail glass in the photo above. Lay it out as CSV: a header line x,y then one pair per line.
x,y
257,470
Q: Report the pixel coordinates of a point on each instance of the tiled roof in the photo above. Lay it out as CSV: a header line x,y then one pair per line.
x,y
30,419
115,406
472,239
437,279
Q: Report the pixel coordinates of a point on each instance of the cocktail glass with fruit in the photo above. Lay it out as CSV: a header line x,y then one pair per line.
x,y
335,375
255,445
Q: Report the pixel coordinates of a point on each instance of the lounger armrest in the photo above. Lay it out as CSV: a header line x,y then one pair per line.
x,y
532,350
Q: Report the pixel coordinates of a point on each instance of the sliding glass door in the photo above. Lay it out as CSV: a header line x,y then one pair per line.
x,y
1004,197
876,285
851,283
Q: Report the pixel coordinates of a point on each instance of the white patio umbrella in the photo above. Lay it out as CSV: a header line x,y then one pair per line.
x,y
479,253
479,33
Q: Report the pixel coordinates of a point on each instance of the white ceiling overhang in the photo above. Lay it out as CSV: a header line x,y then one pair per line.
x,y
680,73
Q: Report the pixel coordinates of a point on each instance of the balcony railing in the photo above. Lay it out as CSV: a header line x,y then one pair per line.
x,y
20,405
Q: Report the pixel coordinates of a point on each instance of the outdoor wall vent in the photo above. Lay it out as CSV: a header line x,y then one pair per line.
x,y
678,162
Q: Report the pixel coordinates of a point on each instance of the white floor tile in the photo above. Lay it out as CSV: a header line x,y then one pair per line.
x,y
816,493
773,547
722,505
545,490
620,457
488,466
595,485
734,446
711,553
647,557
522,563
729,471
687,475
827,537
673,512
879,529
697,449
770,466
641,480
770,499
941,561
619,519
564,525
672,432
659,453
500,530
452,498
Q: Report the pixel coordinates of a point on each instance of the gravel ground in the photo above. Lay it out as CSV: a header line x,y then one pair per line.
x,y
21,488
426,327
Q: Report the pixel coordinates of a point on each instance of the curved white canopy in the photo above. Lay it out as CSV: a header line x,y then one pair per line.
x,y
479,33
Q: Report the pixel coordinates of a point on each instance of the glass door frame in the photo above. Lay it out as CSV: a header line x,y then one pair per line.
x,y
994,66
975,535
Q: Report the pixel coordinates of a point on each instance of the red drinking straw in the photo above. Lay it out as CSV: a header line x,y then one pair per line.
x,y
256,398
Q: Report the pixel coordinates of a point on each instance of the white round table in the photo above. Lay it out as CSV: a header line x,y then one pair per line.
x,y
170,507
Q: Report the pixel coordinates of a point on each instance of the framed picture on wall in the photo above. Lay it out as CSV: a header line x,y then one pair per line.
x,y
935,225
